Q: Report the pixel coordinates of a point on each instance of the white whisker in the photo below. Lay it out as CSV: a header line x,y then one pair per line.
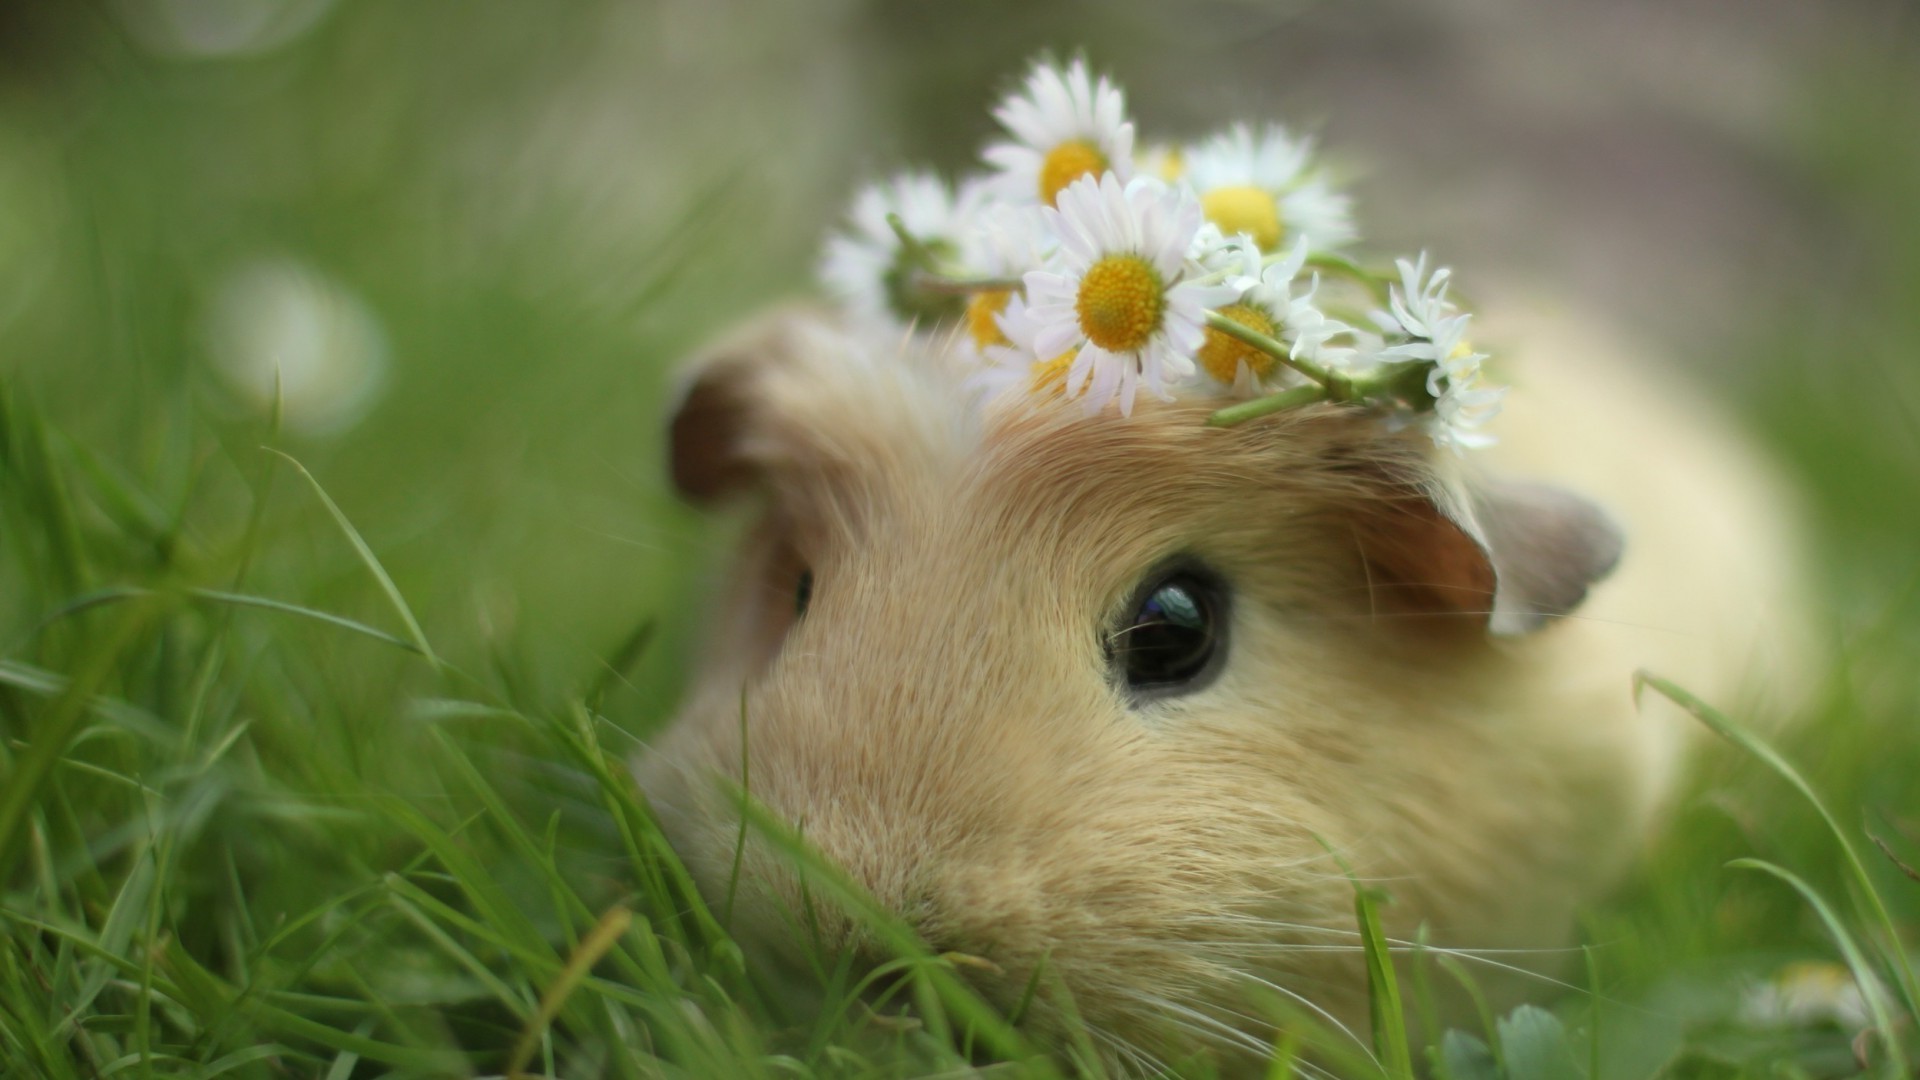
x,y
1252,948
1208,1026
1316,1009
1131,1053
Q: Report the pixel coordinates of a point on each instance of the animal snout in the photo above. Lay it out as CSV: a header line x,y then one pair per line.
x,y
857,888
870,881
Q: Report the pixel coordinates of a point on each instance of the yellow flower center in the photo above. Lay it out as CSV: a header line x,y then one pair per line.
x,y
1120,303
980,317
1052,374
1066,163
1172,165
1460,350
1245,209
1222,354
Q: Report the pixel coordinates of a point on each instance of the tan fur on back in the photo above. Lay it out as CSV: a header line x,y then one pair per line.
x,y
941,722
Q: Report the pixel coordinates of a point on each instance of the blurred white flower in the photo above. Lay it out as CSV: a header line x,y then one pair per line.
x,y
1065,125
1804,994
1014,366
1234,257
1261,185
1122,294
1462,407
1418,309
867,268
279,319
1430,328
1005,241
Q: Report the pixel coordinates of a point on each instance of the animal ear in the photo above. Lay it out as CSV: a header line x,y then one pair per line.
x,y
722,403
1510,555
1548,547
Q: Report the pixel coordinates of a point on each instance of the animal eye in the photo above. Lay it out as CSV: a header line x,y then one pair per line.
x,y
802,593
1173,636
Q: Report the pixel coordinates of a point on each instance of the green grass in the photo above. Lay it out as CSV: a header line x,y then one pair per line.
x,y
313,747
210,873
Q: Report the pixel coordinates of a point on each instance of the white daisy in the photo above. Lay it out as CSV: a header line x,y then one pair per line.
x,y
1233,258
1122,293
1270,305
1262,185
868,269
1460,408
1806,994
1418,306
1015,367
1433,328
1005,241
1422,324
1065,125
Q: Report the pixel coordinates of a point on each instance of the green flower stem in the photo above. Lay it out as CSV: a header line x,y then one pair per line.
x,y
917,251
1404,384
1344,267
1272,403
954,286
1265,344
1339,264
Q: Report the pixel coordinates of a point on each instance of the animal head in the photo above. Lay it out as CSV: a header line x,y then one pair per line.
x,y
1106,696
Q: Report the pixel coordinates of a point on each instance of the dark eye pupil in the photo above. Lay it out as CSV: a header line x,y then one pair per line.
x,y
803,593
1171,635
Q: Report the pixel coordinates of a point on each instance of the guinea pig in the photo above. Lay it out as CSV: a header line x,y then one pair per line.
x,y
1130,696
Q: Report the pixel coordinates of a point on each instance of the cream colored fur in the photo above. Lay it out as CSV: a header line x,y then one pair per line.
x,y
942,724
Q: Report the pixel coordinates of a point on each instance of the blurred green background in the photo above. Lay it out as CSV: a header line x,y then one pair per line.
x,y
476,237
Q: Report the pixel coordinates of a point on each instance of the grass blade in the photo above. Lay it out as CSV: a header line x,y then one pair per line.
x,y
615,668
367,557
1383,990
42,683
330,619
119,593
1871,990
592,947
49,740
1754,745
208,995
1385,1010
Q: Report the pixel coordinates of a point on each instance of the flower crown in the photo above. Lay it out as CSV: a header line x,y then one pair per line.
x,y
1079,266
